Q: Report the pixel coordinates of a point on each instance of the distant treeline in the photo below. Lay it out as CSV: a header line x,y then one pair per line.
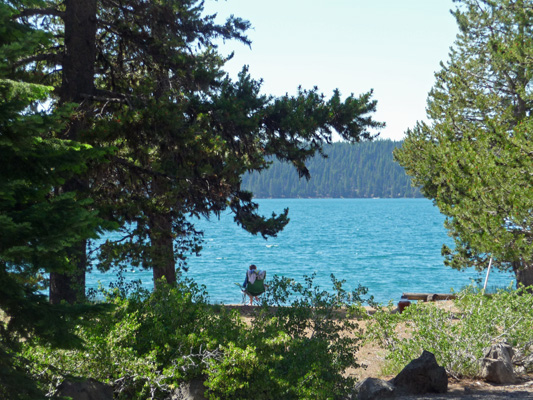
x,y
351,171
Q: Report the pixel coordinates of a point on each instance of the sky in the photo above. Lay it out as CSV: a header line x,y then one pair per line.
x,y
391,46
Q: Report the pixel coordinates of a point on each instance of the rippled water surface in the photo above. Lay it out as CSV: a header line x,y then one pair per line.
x,y
390,246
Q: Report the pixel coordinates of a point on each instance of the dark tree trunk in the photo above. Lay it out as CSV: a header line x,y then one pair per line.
x,y
80,51
161,232
77,84
70,287
161,237
162,248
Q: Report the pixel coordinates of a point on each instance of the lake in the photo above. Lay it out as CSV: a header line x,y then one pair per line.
x,y
390,246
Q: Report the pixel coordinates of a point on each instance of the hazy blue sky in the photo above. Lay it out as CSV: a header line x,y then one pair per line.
x,y
391,46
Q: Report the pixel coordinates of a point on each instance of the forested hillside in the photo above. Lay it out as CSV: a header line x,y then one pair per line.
x,y
360,170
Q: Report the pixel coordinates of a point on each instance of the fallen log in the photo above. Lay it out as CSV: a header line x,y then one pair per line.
x,y
428,296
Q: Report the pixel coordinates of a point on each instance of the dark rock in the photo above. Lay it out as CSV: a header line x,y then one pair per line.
x,y
497,366
422,375
373,388
89,389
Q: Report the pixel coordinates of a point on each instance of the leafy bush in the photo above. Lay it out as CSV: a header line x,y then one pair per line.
x,y
144,347
457,338
151,342
296,348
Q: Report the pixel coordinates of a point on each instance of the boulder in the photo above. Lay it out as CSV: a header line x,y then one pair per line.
x,y
373,388
89,389
422,375
523,364
497,366
193,390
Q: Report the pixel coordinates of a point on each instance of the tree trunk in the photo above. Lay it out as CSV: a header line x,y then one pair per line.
x,y
162,248
524,274
161,236
70,287
80,52
77,84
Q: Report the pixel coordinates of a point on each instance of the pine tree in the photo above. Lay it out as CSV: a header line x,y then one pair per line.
x,y
474,158
38,225
149,85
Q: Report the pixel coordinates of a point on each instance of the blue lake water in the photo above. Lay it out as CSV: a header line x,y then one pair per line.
x,y
390,246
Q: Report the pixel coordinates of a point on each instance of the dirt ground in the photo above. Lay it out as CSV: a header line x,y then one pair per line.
x,y
373,358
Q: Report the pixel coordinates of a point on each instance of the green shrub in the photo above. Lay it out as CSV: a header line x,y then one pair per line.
x,y
147,345
151,342
458,339
296,347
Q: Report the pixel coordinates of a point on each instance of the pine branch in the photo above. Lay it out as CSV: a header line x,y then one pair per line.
x,y
141,171
106,99
30,12
55,58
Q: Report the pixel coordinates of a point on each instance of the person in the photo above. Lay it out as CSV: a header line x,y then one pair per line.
x,y
251,276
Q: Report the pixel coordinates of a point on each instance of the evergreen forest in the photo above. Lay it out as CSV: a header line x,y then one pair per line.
x,y
361,170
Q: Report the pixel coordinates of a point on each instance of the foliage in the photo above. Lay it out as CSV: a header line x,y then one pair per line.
x,y
37,226
361,170
152,342
36,229
474,156
38,222
134,347
299,351
149,83
15,384
458,338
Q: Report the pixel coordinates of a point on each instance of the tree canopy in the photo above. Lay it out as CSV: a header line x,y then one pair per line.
x,y
150,93
474,157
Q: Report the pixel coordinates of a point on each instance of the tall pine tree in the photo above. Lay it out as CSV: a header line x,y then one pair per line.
x,y
474,158
39,224
149,85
